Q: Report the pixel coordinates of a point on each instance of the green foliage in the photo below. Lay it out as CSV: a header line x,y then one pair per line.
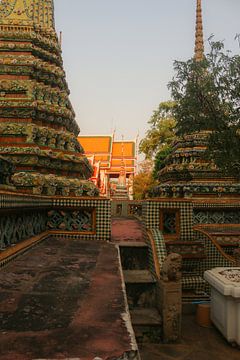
x,y
224,149
162,130
159,160
207,96
143,181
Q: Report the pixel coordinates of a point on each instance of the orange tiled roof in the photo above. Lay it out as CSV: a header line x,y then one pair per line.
x,y
128,149
123,151
110,153
104,160
96,144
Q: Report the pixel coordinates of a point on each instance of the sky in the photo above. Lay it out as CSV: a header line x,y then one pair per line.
x,y
118,55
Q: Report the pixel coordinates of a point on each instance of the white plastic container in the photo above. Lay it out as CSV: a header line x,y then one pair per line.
x,y
225,301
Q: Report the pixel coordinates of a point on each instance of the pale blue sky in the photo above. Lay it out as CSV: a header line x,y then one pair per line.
x,y
118,55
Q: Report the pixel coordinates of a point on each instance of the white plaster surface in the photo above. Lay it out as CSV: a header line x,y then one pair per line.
x,y
225,301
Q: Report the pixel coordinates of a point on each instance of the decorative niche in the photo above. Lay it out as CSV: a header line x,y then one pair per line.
x,y
170,223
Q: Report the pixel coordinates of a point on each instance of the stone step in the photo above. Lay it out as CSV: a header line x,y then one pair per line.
x,y
145,317
141,295
191,297
138,277
134,244
134,258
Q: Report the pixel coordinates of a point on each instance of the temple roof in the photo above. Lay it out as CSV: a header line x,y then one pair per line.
x,y
123,152
110,153
28,13
98,146
128,149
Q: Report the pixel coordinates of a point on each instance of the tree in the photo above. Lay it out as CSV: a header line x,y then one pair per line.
x,y
207,97
143,181
159,161
162,130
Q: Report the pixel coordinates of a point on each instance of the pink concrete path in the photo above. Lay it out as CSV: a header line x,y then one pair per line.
x,y
126,229
61,300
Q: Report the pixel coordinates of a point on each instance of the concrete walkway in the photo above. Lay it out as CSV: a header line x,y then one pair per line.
x,y
63,299
126,229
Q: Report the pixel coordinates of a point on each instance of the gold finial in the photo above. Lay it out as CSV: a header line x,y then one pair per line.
x,y
60,39
199,46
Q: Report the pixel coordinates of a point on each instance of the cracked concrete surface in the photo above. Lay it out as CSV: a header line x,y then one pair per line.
x,y
63,300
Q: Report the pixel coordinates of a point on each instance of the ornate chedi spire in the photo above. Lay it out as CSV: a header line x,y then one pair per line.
x,y
122,175
28,12
38,131
199,46
187,171
121,192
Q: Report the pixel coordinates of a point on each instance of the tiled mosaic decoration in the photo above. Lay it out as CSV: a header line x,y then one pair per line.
x,y
76,220
190,280
20,223
214,257
151,216
186,248
159,248
159,245
169,223
23,201
193,268
15,227
193,282
191,213
102,208
213,216
216,205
